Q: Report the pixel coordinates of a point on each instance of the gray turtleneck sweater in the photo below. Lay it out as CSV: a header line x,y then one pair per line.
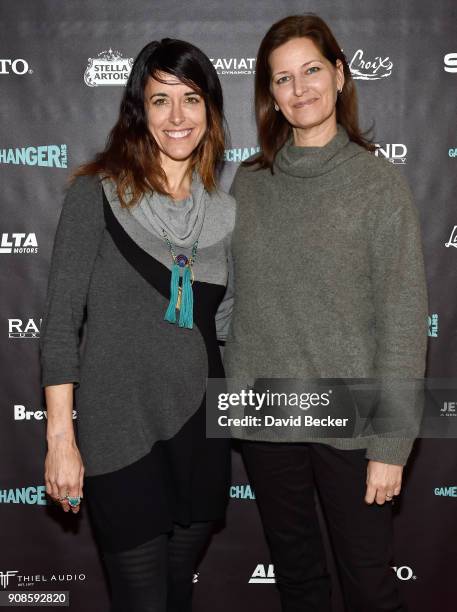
x,y
329,277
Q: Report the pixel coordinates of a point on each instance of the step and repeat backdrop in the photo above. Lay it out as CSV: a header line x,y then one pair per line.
x,y
63,66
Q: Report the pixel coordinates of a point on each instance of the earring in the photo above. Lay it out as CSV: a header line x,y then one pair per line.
x,y
276,107
338,91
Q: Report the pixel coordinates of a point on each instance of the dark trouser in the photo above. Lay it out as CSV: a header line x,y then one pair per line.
x,y
284,477
157,576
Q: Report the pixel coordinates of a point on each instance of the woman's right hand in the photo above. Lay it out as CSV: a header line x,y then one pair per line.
x,y
64,472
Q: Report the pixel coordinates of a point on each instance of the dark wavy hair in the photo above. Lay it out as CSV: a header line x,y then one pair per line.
x,y
131,155
273,128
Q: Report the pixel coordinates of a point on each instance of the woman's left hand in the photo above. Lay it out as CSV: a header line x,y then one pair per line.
x,y
383,481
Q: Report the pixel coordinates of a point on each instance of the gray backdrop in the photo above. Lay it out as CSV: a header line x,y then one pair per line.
x,y
62,65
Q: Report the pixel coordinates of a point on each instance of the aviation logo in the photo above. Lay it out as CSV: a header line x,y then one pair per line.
x,y
230,66
108,68
371,69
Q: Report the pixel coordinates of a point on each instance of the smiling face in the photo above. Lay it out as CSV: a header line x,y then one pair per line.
x,y
304,85
176,116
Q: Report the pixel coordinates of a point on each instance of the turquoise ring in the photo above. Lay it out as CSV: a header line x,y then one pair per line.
x,y
73,501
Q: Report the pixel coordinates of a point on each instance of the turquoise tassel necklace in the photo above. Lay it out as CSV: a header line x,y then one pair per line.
x,y
181,297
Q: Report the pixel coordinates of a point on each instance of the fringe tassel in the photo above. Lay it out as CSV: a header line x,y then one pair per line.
x,y
186,313
170,314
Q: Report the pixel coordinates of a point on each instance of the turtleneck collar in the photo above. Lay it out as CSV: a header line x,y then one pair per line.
x,y
315,161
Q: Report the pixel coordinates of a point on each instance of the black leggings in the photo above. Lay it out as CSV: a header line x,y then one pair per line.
x,y
157,576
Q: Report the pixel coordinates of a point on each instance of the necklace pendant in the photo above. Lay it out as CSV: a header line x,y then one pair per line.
x,y
178,301
182,260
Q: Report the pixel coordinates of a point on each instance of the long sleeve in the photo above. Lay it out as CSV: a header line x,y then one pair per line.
x,y
76,244
224,312
400,301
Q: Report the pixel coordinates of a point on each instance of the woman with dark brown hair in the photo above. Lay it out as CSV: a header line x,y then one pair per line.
x,y
329,284
142,250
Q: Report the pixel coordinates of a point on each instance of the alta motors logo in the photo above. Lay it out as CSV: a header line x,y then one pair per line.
x,y
14,66
108,68
395,153
28,328
17,243
370,69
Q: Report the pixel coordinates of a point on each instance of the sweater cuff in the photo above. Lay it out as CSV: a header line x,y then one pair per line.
x,y
394,451
55,377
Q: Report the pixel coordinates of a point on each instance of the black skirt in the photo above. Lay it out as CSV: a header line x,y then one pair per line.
x,y
182,480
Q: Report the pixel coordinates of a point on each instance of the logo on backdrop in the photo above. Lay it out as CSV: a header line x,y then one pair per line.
x,y
17,243
108,68
240,154
50,156
370,69
404,572
446,491
229,66
452,152
450,62
22,414
433,326
395,153
24,328
15,66
24,580
452,238
25,495
449,409
5,577
263,574
241,492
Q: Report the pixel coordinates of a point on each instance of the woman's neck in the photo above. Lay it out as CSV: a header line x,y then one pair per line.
x,y
179,178
316,136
